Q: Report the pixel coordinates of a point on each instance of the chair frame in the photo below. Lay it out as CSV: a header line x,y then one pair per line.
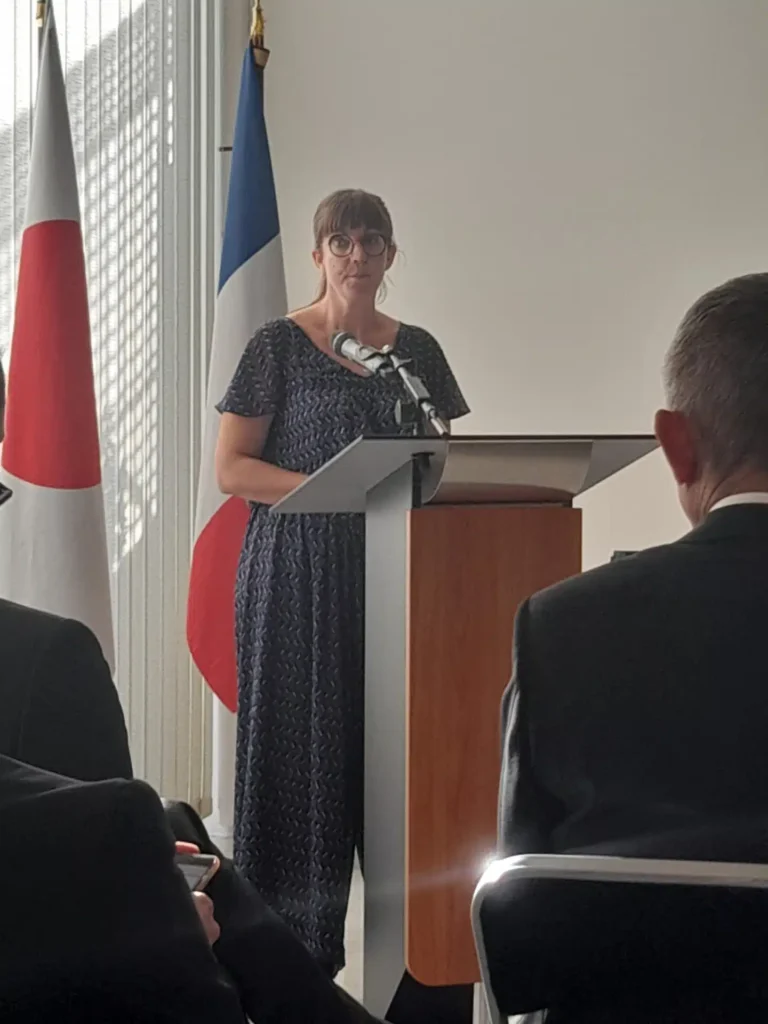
x,y
642,871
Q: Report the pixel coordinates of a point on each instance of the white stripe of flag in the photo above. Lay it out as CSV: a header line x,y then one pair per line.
x,y
251,292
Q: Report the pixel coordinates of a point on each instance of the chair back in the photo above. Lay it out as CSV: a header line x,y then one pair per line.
x,y
633,946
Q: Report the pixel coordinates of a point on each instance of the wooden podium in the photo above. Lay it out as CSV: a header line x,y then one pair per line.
x,y
458,532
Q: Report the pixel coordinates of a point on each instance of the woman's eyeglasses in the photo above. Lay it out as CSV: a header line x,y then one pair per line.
x,y
373,244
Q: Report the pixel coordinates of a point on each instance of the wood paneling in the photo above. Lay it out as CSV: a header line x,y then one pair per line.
x,y
469,569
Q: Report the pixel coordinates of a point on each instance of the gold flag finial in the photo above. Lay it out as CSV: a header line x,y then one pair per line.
x,y
260,52
40,12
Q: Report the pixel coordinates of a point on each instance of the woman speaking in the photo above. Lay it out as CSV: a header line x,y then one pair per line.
x,y
292,405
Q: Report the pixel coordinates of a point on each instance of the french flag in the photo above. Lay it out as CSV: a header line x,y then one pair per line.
x,y
251,291
53,549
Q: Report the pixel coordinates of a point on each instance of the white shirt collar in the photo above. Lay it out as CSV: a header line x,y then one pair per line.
x,y
748,498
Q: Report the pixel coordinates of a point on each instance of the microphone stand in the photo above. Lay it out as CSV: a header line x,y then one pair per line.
x,y
417,411
408,417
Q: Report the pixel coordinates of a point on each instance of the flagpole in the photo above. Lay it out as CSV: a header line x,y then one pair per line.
x,y
259,50
41,9
231,26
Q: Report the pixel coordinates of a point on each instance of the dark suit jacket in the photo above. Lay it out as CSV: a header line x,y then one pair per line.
x,y
59,708
96,922
639,699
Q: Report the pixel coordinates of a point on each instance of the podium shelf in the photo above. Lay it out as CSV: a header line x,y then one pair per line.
x,y
521,470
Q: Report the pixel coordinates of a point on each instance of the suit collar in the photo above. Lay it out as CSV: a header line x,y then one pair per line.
x,y
733,522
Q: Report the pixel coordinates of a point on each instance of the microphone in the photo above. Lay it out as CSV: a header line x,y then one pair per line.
x,y
385,362
371,359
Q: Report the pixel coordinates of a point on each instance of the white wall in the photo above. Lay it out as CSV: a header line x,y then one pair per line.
x,y
565,176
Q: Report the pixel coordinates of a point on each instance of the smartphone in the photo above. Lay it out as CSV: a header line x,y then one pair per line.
x,y
198,869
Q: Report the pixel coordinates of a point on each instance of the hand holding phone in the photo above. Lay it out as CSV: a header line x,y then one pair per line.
x,y
205,911
198,869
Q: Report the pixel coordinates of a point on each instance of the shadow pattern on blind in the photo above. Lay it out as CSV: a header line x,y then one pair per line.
x,y
140,91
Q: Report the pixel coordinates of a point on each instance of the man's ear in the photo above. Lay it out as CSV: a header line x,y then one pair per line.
x,y
678,443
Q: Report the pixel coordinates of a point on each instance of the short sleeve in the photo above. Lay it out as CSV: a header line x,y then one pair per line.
x,y
445,390
257,386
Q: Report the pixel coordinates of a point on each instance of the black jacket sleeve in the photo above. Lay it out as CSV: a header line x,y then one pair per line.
x,y
159,940
73,723
278,980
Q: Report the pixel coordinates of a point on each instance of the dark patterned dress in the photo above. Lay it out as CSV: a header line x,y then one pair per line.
x,y
299,624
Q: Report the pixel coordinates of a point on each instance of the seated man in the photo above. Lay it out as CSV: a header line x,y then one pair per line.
x,y
636,719
638,701
116,843
277,980
97,923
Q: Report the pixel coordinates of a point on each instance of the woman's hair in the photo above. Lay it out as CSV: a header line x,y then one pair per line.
x,y
346,210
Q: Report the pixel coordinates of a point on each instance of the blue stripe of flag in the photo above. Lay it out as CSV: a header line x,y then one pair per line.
x,y
251,220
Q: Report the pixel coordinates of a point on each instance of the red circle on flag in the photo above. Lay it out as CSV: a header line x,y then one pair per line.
x,y
51,427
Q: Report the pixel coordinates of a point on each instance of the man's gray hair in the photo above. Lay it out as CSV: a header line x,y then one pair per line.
x,y
716,373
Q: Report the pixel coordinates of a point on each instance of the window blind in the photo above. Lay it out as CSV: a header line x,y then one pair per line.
x,y
140,92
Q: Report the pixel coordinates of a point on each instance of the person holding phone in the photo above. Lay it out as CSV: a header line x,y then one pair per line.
x,y
97,921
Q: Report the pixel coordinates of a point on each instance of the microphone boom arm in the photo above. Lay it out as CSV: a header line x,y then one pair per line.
x,y
418,394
